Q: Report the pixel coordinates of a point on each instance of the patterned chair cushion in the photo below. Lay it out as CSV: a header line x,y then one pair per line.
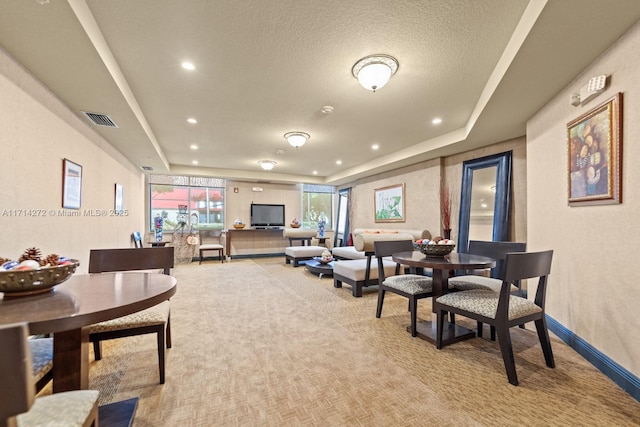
x,y
485,303
155,315
41,356
67,409
467,283
410,283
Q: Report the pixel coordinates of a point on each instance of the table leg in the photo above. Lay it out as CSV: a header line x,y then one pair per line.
x,y
70,360
427,329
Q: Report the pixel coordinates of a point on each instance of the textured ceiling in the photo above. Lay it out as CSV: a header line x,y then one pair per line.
x,y
264,68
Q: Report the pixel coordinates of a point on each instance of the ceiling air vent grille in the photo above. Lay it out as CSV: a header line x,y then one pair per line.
x,y
146,168
100,119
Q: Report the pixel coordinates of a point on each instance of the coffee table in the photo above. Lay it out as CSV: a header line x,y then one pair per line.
x,y
321,269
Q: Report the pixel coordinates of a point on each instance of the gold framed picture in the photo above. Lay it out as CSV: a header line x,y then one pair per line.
x,y
595,155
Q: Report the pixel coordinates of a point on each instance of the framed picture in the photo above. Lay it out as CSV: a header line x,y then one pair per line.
x,y
595,155
119,198
71,184
389,204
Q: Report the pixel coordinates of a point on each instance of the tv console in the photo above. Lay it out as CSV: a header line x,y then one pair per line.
x,y
255,241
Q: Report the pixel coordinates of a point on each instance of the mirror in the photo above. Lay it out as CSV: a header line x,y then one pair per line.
x,y
342,219
485,200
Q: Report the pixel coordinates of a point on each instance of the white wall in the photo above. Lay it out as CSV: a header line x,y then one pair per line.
x,y
594,289
37,132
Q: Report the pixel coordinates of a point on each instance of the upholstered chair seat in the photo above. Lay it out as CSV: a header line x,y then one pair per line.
x,y
68,409
485,303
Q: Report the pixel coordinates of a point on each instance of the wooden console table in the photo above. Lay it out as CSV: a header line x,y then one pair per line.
x,y
256,236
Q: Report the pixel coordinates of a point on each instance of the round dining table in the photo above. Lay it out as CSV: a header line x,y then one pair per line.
x,y
81,301
441,267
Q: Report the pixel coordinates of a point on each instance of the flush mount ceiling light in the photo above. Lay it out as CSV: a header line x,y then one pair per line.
x,y
267,164
373,72
296,139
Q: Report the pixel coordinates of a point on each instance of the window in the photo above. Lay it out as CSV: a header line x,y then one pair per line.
x,y
193,202
317,203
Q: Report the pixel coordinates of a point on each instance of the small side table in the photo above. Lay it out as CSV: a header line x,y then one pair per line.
x,y
316,267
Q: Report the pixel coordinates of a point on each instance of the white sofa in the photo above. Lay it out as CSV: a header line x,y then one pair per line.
x,y
362,236
357,266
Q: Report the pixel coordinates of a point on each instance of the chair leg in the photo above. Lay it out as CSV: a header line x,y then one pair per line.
x,y
441,316
380,302
479,327
452,318
200,260
161,344
413,308
504,339
168,331
493,332
543,335
97,350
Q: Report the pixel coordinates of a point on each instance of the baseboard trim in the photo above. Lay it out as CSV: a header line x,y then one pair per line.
x,y
619,375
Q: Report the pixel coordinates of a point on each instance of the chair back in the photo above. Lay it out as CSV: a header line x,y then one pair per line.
x,y
497,251
109,260
526,265
137,239
17,392
383,248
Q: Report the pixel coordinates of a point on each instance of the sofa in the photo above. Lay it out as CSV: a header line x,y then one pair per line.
x,y
366,235
358,265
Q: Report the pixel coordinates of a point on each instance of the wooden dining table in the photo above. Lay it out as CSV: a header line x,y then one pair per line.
x,y
441,267
81,301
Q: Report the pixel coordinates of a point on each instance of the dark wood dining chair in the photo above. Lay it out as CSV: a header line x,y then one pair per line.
x,y
503,310
18,404
411,286
156,320
477,280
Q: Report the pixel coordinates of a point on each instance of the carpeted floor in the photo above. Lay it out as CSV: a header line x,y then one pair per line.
x,y
260,343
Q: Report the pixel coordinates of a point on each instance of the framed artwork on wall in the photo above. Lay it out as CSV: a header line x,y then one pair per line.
x,y
71,184
119,198
594,143
389,204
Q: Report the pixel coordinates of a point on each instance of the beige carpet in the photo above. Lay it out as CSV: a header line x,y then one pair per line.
x,y
257,342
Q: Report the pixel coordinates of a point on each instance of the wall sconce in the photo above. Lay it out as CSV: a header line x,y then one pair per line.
x,y
296,139
373,72
267,164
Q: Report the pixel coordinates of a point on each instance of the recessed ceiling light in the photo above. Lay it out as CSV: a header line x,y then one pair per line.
x,y
315,172
436,121
193,146
279,152
338,162
195,162
375,146
192,120
327,109
188,66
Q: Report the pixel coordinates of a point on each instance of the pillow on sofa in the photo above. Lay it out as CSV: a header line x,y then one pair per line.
x,y
364,242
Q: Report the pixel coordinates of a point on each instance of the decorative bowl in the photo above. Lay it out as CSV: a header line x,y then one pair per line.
x,y
435,250
323,260
239,226
295,225
27,282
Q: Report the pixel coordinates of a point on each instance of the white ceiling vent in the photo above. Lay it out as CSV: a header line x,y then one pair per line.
x,y
100,119
146,168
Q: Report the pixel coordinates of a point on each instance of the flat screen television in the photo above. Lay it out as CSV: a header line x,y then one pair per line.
x,y
263,215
